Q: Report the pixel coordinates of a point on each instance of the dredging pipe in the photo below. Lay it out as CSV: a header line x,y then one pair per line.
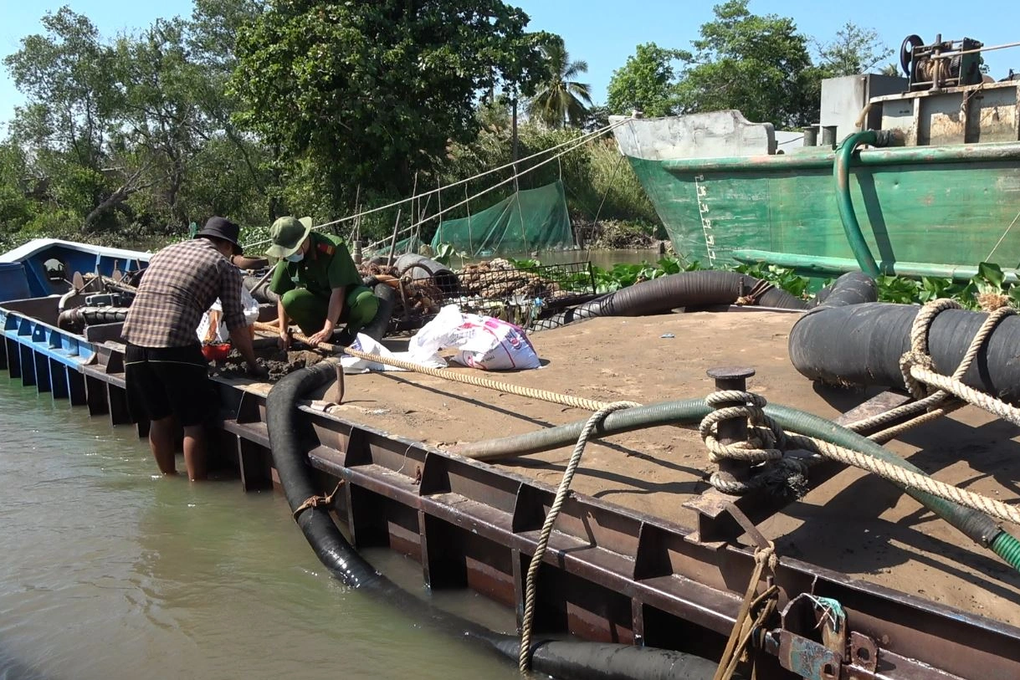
x,y
861,344
567,660
975,525
686,289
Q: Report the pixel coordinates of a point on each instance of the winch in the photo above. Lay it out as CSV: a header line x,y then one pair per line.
x,y
943,63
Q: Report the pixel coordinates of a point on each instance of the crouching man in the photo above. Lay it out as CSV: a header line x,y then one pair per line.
x,y
318,284
164,369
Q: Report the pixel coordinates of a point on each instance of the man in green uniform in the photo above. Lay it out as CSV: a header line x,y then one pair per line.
x,y
318,284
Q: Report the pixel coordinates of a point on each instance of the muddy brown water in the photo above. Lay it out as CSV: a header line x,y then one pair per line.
x,y
108,571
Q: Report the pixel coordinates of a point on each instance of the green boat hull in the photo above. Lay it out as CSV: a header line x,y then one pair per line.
x,y
931,210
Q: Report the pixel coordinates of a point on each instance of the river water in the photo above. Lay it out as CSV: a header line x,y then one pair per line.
x,y
108,571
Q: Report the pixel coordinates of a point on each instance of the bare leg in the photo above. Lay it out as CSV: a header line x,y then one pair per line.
x,y
194,452
161,441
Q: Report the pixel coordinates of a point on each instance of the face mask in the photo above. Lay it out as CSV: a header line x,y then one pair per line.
x,y
296,257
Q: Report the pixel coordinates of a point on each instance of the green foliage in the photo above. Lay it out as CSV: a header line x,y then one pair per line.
x,y
370,92
15,207
559,99
647,82
987,287
757,64
854,50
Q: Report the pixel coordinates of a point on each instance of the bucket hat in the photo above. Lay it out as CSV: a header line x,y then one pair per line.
x,y
222,228
287,233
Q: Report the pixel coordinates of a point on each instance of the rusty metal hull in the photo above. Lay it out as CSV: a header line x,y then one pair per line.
x,y
610,574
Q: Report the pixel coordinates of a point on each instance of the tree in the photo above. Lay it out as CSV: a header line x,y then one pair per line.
x,y
72,106
757,64
371,91
597,118
559,99
854,50
15,208
647,82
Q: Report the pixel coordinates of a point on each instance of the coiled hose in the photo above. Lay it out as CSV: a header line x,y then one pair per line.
x,y
862,344
686,289
565,660
975,525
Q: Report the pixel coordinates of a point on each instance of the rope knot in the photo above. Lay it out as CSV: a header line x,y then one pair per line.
x,y
763,448
766,556
317,501
754,295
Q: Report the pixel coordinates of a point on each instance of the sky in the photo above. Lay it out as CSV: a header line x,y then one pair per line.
x,y
603,32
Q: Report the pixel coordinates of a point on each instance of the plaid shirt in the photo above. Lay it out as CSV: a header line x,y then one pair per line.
x,y
181,282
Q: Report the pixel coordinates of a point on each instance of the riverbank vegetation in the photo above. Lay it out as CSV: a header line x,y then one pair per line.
x,y
255,108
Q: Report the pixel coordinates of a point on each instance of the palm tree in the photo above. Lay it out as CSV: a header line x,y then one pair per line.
x,y
559,99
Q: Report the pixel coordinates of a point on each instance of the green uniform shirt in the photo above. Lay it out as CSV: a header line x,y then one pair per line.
x,y
326,265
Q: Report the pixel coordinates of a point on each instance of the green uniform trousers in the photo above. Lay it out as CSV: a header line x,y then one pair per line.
x,y
308,310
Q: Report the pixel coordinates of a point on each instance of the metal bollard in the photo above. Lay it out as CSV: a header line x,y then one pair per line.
x,y
732,430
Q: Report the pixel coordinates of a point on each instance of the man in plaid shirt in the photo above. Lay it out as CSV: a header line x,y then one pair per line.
x,y
164,369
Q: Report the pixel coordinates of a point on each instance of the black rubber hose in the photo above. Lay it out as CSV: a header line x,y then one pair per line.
x,y
594,661
260,291
377,327
686,289
567,660
853,288
862,344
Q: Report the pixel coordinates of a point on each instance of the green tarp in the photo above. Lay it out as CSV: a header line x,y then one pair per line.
x,y
534,219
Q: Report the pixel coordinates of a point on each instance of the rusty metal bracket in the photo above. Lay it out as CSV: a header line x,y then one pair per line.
x,y
808,659
813,639
863,652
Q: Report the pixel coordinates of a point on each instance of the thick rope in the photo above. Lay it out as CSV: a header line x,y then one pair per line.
x,y
976,397
524,660
918,371
752,616
765,444
907,478
447,374
915,366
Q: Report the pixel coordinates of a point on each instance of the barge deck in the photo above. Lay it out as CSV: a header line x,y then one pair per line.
x,y
624,563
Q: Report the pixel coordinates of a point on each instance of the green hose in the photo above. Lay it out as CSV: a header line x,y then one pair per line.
x,y
1007,547
841,171
975,525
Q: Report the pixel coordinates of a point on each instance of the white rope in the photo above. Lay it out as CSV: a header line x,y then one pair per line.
x,y
988,259
524,658
512,178
907,478
586,137
917,366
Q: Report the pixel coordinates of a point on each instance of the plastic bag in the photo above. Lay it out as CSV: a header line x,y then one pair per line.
x,y
371,346
215,315
484,342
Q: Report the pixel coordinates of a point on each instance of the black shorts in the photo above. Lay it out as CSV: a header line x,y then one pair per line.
x,y
168,381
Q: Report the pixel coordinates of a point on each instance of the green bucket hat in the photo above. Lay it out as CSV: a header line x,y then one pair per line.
x,y
287,233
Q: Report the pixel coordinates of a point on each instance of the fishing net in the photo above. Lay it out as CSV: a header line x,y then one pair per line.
x,y
529,220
